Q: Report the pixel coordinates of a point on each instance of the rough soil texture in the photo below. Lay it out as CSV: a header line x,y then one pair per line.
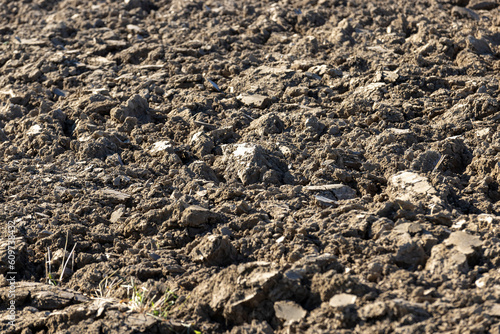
x,y
282,166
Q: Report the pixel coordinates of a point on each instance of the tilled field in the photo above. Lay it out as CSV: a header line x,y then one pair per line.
x,y
263,166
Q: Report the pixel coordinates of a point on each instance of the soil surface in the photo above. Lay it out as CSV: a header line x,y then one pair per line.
x,y
292,166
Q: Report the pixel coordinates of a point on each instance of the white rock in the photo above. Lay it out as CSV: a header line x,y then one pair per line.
x,y
254,100
289,311
343,300
161,146
464,242
34,130
412,187
245,149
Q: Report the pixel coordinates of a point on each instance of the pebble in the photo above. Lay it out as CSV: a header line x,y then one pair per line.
x,y
464,242
214,250
463,12
116,215
254,100
480,46
195,216
342,300
341,192
115,195
289,312
407,186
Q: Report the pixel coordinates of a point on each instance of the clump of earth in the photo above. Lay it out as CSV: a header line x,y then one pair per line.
x,y
264,166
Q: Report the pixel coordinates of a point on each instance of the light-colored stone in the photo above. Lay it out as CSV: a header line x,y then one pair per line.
x,y
254,100
195,216
161,147
340,191
412,187
289,311
463,242
342,300
115,195
116,215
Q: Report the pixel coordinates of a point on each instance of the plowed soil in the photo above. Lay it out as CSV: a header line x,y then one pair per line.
x,y
292,166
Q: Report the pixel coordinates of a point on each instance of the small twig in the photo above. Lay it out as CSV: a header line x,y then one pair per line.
x,y
248,116
439,163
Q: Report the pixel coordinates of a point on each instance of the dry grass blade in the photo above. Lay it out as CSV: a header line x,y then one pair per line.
x,y
106,285
141,301
48,267
66,263
64,254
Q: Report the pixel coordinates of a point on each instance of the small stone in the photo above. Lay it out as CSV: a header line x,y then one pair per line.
x,y
462,12
463,242
340,191
34,130
289,312
479,46
342,300
135,29
375,310
161,147
254,100
59,92
412,187
411,228
154,256
248,163
226,231
116,215
296,91
114,195
494,310
410,254
267,124
214,250
195,216
445,259
324,201
136,107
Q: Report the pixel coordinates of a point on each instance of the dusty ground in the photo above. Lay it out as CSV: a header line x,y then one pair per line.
x,y
265,166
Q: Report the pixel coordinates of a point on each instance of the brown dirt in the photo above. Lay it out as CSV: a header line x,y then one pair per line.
x,y
280,166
